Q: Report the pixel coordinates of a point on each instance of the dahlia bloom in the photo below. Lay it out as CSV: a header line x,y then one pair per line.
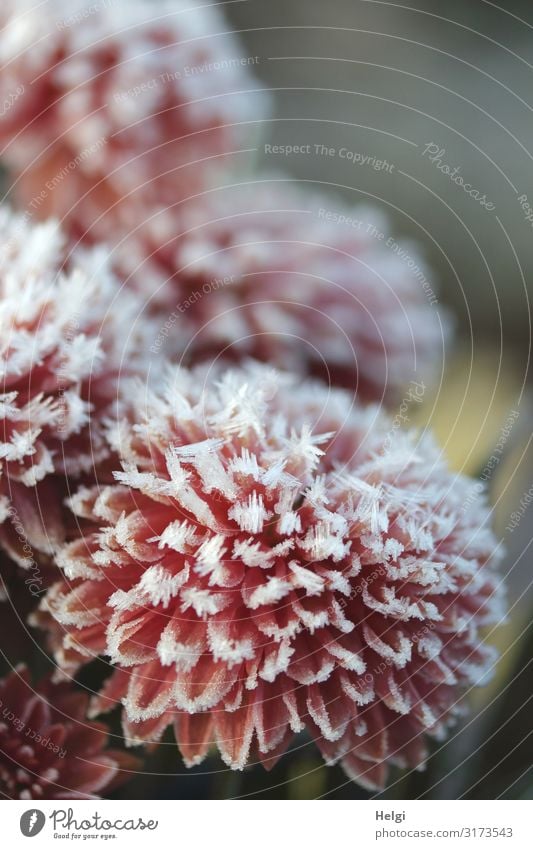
x,y
272,558
111,111
62,346
300,281
48,750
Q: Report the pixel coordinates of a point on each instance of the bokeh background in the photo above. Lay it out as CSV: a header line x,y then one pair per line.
x,y
386,80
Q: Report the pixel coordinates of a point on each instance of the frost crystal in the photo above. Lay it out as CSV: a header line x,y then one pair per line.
x,y
242,605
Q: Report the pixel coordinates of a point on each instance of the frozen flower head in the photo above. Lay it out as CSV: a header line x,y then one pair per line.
x,y
48,750
302,281
115,109
272,559
65,327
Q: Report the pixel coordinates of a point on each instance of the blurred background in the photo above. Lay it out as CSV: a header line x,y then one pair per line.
x,y
432,92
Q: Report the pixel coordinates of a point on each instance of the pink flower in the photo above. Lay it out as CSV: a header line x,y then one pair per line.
x,y
48,750
63,345
114,111
272,558
300,281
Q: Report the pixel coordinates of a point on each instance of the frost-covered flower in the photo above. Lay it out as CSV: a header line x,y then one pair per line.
x,y
66,330
114,110
301,281
48,749
270,559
